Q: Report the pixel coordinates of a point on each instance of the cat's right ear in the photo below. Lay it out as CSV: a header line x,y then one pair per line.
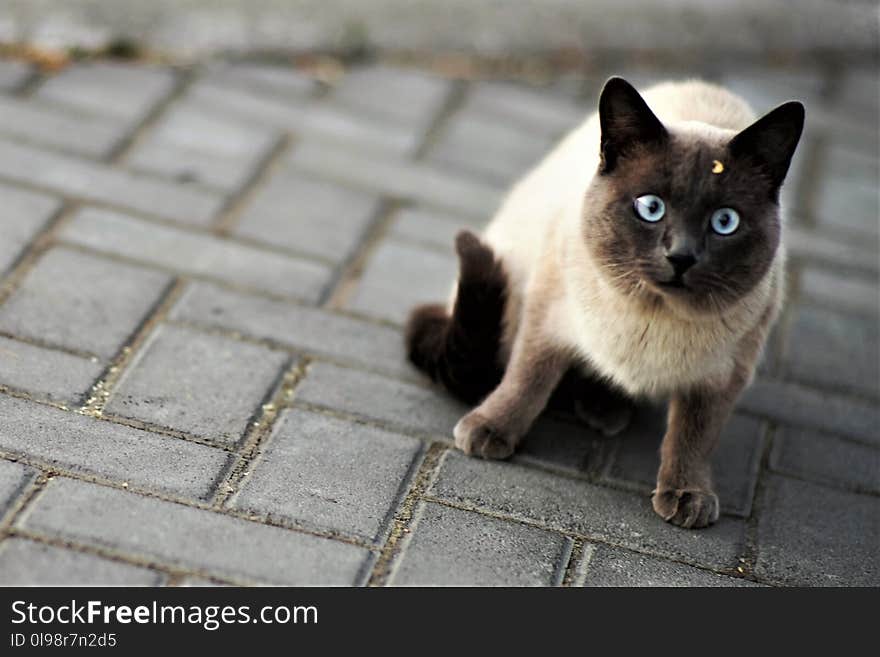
x,y
626,122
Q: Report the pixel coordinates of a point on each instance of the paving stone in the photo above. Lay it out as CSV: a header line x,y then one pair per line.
x,y
535,109
401,95
561,444
847,194
117,91
14,74
28,563
825,459
610,566
312,330
197,254
811,535
56,127
431,228
203,384
451,547
191,146
308,215
849,293
332,474
815,247
13,478
429,277
55,375
317,119
192,538
803,407
487,146
399,178
89,446
268,79
859,90
735,462
400,404
594,511
96,305
834,349
99,182
24,215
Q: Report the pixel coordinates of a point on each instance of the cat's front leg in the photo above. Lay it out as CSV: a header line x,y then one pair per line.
x,y
684,495
493,429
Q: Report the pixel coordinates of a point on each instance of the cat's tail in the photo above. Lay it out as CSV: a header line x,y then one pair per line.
x,y
461,350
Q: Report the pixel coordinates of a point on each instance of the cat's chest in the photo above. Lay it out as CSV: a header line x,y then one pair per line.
x,y
653,354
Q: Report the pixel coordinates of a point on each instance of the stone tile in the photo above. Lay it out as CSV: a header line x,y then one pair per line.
x,y
563,444
28,563
431,228
51,374
192,146
451,547
192,538
265,79
96,305
24,215
399,178
117,91
14,74
197,254
58,128
735,462
401,95
98,182
13,478
429,277
85,445
309,215
534,109
810,535
610,566
860,91
311,330
333,474
813,247
317,119
834,349
847,194
400,404
203,384
820,411
487,146
848,293
825,459
573,505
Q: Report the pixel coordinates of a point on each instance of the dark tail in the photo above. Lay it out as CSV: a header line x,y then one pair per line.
x,y
461,351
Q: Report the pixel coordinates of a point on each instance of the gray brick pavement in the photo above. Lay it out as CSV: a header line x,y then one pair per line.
x,y
301,220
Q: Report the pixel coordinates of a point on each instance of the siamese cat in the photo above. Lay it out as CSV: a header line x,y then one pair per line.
x,y
643,254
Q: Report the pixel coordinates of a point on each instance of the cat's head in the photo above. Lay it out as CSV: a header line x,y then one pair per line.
x,y
688,214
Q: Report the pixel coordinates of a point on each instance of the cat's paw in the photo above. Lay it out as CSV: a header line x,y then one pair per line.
x,y
689,508
476,435
607,420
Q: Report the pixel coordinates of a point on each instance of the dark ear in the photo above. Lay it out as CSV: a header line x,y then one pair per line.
x,y
770,141
626,122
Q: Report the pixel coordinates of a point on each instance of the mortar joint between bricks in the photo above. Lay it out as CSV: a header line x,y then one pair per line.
x,y
749,559
25,499
99,394
453,101
401,526
259,431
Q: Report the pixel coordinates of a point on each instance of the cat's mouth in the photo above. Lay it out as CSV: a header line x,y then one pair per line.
x,y
674,284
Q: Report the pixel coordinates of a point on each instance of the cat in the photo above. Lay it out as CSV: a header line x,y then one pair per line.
x,y
642,254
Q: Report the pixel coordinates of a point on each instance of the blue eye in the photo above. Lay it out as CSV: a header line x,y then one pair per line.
x,y
725,221
650,208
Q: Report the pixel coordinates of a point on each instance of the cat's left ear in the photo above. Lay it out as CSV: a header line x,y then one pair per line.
x,y
771,140
626,122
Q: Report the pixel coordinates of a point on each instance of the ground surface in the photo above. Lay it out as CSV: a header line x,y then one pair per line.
x,y
201,370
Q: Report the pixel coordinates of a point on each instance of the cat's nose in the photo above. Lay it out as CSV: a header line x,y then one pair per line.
x,y
681,262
